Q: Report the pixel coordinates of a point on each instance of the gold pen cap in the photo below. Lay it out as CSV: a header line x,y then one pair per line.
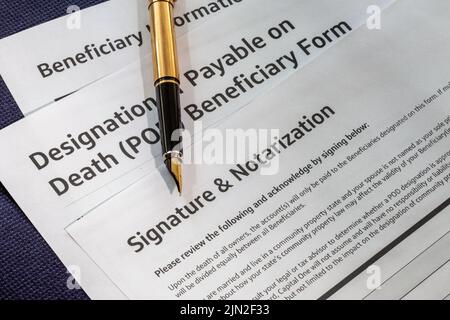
x,y
164,46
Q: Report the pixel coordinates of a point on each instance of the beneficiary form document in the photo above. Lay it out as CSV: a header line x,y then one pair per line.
x,y
68,53
363,156
73,155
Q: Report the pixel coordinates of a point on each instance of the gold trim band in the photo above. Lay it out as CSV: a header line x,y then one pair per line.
x,y
153,1
161,81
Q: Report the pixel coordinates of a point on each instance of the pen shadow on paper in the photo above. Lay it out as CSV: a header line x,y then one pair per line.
x,y
146,73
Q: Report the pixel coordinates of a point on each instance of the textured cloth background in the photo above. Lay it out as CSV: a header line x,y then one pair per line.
x,y
29,269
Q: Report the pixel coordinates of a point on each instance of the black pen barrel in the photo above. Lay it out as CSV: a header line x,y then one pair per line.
x,y
168,103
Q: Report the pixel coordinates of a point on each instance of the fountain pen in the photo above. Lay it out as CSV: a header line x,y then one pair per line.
x,y
167,85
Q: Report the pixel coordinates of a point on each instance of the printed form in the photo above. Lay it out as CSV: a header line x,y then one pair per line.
x,y
77,153
363,154
363,158
71,52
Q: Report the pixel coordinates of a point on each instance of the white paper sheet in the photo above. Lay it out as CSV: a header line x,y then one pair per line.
x,y
50,127
331,206
65,37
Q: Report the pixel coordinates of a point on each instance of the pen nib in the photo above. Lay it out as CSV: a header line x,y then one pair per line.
x,y
174,165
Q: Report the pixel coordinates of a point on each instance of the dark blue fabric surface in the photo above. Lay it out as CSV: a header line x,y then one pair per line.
x,y
29,269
